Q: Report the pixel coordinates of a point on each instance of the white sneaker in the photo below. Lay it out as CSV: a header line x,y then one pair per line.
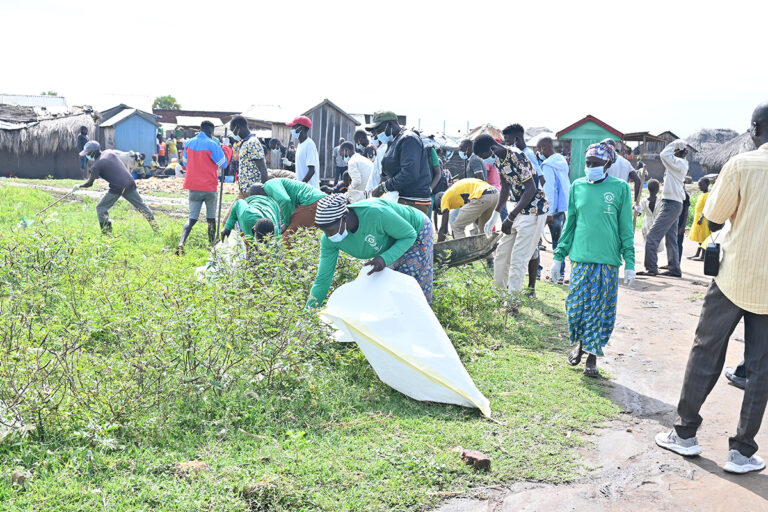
x,y
671,441
738,463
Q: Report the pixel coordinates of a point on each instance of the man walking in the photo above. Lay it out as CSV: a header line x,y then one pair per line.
x,y
307,159
666,223
404,166
107,165
203,159
738,291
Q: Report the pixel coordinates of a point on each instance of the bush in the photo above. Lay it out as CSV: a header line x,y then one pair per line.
x,y
90,333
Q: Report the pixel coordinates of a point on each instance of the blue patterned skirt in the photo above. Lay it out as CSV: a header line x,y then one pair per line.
x,y
591,305
417,261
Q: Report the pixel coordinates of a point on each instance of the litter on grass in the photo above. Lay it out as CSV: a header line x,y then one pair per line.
x,y
388,317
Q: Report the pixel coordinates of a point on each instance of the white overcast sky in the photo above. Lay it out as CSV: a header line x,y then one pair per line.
x,y
641,65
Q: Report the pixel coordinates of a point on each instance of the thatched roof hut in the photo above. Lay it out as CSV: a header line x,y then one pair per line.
x,y
714,159
36,143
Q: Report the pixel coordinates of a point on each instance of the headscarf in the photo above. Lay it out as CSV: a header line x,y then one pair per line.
x,y
602,151
330,209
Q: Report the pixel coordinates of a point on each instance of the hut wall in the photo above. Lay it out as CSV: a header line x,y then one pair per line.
x,y
581,138
328,125
60,165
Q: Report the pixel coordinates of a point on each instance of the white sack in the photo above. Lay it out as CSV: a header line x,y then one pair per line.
x,y
225,256
388,317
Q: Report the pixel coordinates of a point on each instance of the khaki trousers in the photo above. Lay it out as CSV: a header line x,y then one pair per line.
x,y
477,211
515,250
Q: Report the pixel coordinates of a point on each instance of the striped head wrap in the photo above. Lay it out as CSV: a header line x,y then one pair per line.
x,y
602,151
330,209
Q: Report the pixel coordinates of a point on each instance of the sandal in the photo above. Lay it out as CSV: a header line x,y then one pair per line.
x,y
574,356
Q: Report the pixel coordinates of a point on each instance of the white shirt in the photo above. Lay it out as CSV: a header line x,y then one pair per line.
x,y
676,171
620,168
375,178
360,170
306,155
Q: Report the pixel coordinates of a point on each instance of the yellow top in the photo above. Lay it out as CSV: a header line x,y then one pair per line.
x,y
700,232
471,188
739,196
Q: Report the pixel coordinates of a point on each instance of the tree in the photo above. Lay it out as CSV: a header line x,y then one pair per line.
x,y
166,102
49,93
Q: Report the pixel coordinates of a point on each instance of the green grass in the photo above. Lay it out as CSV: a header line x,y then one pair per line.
x,y
332,438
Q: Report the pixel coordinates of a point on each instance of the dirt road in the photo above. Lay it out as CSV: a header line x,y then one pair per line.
x,y
646,358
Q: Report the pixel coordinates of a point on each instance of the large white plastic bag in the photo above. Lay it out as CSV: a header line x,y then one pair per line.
x,y
226,256
388,317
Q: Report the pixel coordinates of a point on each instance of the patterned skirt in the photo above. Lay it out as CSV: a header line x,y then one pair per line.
x,y
591,305
417,261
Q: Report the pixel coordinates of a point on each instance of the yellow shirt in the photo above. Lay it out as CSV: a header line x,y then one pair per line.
x,y
739,196
471,187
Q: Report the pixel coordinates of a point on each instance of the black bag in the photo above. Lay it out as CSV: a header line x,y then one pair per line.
x,y
712,259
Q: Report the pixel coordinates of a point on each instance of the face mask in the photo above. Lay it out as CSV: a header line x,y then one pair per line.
x,y
236,137
294,134
276,151
540,156
338,237
383,137
491,160
594,173
360,147
89,157
462,155
346,159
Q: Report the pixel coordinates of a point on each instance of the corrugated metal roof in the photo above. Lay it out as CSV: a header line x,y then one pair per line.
x,y
24,100
112,121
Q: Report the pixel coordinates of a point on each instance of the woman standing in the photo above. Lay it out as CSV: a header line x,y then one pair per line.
x,y
385,233
700,230
598,233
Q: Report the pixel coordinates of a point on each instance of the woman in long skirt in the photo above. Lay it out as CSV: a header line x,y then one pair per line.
x,y
597,235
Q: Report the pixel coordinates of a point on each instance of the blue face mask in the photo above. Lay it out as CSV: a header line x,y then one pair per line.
x,y
383,137
338,237
294,134
462,155
594,173
276,151
346,159
89,157
491,160
236,137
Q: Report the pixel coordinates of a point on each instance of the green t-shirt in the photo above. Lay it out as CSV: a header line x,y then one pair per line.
x,y
291,193
599,227
386,229
434,161
249,210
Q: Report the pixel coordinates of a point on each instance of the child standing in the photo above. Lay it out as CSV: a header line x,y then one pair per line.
x,y
700,230
648,207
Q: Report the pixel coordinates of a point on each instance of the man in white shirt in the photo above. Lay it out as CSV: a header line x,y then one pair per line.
x,y
623,170
307,159
359,169
666,223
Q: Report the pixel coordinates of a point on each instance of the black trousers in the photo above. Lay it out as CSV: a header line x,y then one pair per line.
x,y
719,317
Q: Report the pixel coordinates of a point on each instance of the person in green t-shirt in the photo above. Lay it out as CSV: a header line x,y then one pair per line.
x,y
257,215
598,234
297,201
386,234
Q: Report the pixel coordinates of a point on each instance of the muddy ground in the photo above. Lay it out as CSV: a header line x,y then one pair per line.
x,y
646,360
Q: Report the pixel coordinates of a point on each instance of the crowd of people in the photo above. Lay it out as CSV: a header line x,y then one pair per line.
x,y
388,185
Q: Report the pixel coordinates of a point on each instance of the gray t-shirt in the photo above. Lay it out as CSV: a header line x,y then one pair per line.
x,y
475,164
110,168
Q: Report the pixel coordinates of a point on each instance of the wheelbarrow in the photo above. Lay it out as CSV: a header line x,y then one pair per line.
x,y
465,250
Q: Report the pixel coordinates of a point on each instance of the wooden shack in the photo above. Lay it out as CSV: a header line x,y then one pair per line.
x,y
329,124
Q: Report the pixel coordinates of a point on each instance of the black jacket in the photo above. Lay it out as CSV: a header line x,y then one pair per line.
x,y
406,169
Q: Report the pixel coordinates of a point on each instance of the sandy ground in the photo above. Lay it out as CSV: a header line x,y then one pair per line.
x,y
646,358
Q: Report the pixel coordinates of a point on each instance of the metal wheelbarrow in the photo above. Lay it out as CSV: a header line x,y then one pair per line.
x,y
465,250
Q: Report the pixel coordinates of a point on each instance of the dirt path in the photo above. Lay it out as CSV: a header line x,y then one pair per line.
x,y
646,358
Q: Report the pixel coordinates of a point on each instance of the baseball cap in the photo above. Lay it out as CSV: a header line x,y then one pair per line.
x,y
382,116
301,120
90,147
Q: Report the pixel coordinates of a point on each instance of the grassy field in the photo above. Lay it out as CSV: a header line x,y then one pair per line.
x,y
126,385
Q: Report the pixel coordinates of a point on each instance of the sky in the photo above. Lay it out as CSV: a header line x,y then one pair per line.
x,y
638,66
